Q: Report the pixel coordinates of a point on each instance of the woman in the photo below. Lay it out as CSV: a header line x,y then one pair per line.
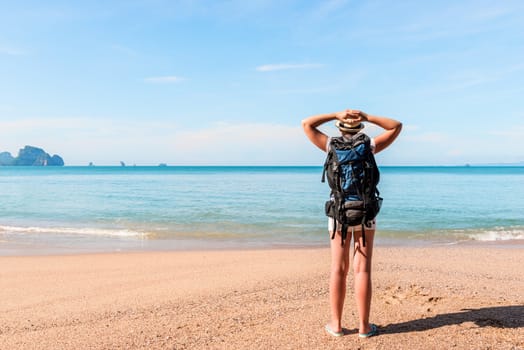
x,y
349,123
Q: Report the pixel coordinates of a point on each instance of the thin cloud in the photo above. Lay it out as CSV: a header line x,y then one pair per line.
x,y
467,79
328,8
314,90
10,51
515,132
286,66
168,79
430,137
124,49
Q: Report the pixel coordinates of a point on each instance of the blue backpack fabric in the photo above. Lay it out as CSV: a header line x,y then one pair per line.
x,y
353,176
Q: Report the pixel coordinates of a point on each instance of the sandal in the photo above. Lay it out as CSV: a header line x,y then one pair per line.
x,y
371,333
332,332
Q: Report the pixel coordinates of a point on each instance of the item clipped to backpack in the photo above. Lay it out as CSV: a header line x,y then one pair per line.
x,y
352,175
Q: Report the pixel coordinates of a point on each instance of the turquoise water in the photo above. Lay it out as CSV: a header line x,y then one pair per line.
x,y
75,209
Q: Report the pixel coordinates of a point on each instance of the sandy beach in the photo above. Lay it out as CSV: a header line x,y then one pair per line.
x,y
460,297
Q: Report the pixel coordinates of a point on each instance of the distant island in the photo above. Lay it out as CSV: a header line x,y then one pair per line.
x,y
30,156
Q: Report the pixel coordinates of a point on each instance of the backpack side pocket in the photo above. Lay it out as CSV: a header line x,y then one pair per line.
x,y
373,208
329,208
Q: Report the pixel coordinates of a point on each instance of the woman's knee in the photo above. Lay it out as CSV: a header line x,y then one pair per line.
x,y
362,267
361,261
340,269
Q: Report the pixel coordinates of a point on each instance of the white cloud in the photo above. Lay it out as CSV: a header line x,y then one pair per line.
x,y
164,80
287,66
244,143
82,140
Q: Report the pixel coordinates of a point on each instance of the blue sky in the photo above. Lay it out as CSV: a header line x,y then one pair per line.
x,y
228,82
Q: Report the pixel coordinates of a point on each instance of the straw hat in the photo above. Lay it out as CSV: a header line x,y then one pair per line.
x,y
349,127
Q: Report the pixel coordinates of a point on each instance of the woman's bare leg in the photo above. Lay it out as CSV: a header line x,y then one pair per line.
x,y
362,269
337,279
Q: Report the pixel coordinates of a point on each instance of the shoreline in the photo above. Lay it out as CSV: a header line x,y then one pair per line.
x,y
13,248
424,297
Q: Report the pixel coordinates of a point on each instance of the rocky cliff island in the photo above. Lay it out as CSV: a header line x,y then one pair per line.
x,y
30,156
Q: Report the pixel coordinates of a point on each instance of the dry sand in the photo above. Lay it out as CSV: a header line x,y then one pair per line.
x,y
424,298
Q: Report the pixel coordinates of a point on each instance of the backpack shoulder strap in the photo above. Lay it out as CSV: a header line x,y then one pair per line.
x,y
330,153
334,141
361,137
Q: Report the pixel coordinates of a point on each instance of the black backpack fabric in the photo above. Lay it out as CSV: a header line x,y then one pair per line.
x,y
352,175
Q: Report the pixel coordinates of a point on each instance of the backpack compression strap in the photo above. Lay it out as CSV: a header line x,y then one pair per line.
x,y
363,233
343,231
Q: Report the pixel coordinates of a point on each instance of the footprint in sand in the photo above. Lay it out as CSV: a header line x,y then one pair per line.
x,y
434,300
394,295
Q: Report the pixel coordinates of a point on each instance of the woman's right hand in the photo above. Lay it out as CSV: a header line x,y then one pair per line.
x,y
352,116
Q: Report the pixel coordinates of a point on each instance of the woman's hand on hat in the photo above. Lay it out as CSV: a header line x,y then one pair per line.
x,y
362,117
351,116
342,115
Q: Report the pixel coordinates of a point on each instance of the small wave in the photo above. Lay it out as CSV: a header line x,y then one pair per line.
x,y
89,231
496,234
455,236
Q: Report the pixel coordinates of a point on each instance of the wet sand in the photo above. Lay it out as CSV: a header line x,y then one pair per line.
x,y
460,297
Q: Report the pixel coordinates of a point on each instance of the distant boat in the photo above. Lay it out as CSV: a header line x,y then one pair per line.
x,y
162,164
122,163
91,164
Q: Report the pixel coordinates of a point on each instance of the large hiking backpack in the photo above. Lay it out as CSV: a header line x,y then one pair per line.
x,y
352,175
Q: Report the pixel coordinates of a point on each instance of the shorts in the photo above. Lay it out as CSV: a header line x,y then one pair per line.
x,y
371,225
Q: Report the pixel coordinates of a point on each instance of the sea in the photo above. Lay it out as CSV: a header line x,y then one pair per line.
x,y
70,210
